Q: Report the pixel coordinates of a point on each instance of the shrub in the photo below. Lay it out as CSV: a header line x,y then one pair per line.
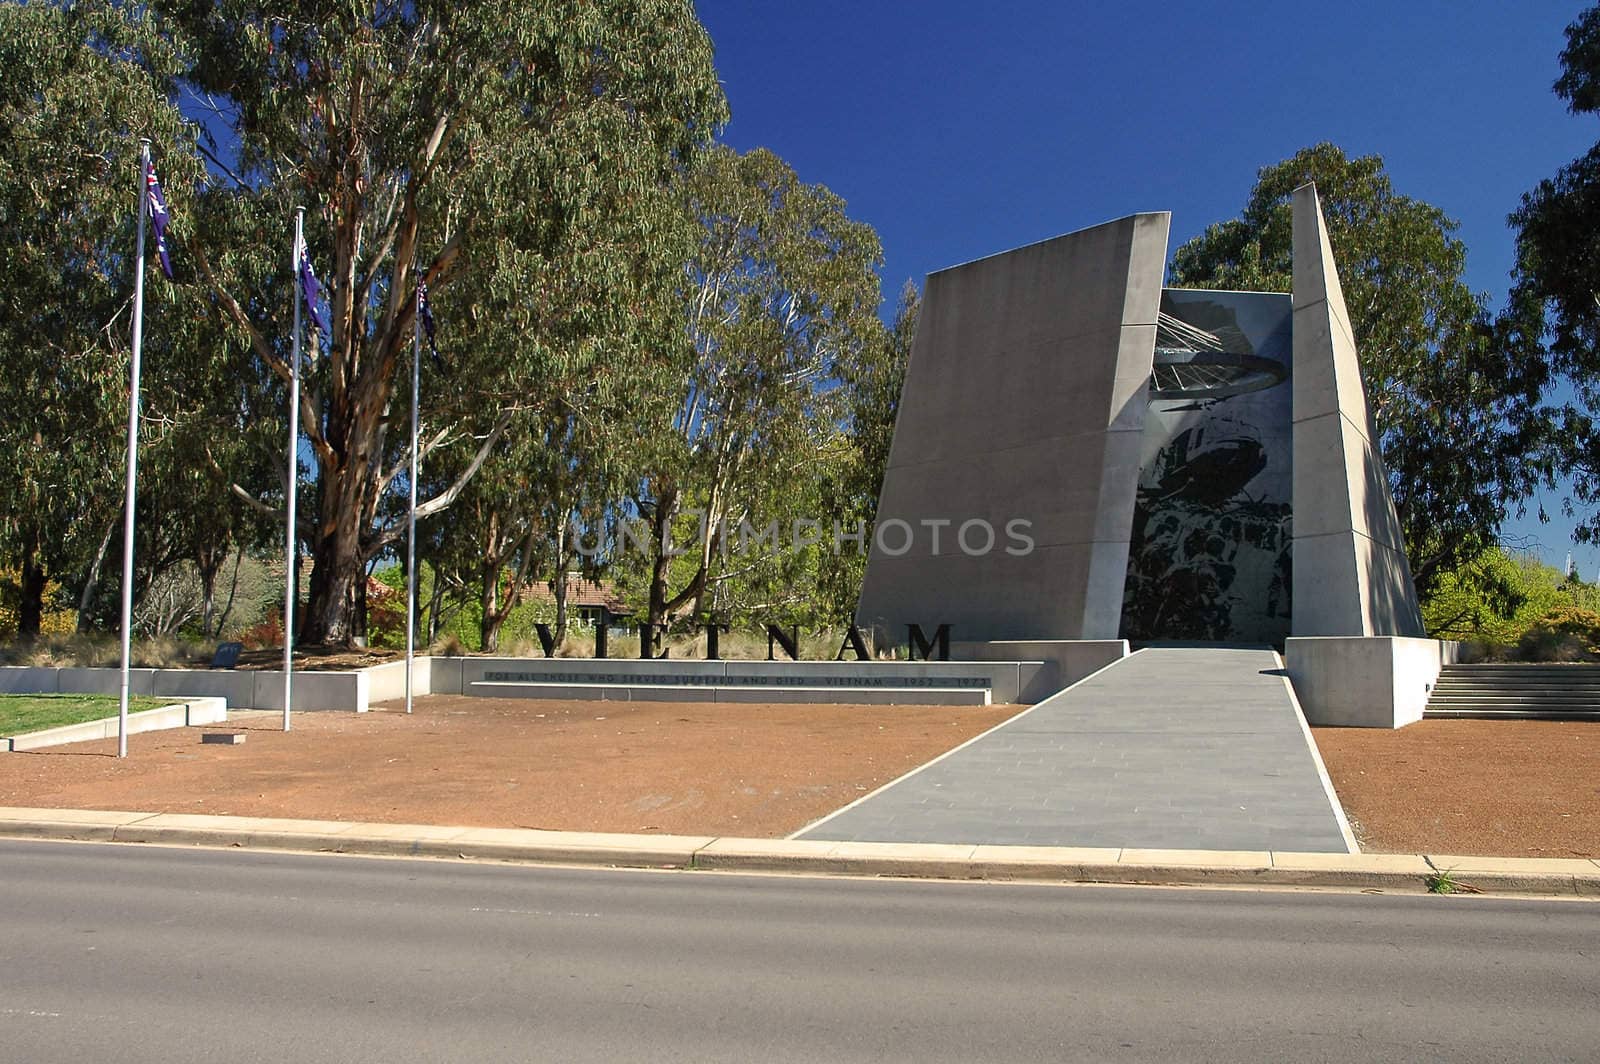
x,y
269,633
1565,633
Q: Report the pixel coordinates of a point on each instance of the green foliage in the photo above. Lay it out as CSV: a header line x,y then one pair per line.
x,y
1514,606
1557,270
1491,599
1565,633
778,311
71,115
516,156
631,323
1455,394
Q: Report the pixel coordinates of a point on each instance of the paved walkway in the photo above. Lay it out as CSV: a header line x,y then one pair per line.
x,y
1191,748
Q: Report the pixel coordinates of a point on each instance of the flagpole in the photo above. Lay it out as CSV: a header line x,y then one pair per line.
x,y
133,448
294,472
411,509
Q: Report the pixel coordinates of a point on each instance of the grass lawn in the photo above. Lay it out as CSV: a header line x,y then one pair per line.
x,y
20,714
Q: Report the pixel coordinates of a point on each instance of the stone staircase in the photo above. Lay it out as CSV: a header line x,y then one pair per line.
x,y
1526,692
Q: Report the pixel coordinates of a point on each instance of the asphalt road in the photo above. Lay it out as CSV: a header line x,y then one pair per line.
x,y
129,953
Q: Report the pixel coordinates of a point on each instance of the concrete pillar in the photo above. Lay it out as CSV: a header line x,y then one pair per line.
x,y
1351,577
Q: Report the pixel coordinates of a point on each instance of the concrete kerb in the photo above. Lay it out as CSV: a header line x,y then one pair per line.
x,y
1399,873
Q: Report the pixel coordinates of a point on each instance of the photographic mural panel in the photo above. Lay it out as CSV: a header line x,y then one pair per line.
x,y
1209,556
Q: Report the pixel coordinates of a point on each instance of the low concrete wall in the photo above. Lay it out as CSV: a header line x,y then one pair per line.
x,y
182,715
105,681
820,694
1063,661
1003,678
242,688
1365,681
29,680
388,682
444,676
239,688
313,691
1009,679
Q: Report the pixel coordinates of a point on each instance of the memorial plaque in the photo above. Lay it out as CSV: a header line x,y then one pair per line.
x,y
227,655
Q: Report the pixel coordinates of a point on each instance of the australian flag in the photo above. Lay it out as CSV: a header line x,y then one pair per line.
x,y
156,204
312,291
425,316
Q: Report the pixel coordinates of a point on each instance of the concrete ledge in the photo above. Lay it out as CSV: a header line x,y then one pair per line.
x,y
1061,662
1365,681
1399,873
661,692
630,679
860,696
179,715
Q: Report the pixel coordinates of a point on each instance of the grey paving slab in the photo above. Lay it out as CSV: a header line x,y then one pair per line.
x,y
1170,748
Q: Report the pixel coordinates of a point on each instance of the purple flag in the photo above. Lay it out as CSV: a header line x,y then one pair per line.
x,y
425,316
312,291
156,203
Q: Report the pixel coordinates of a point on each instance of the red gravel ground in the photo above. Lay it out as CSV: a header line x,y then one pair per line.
x,y
1506,788
675,768
1503,788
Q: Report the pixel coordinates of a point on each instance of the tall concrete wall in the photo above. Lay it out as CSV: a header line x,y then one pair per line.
x,y
1024,400
1351,577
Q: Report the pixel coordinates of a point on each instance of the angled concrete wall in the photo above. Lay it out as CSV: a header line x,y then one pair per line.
x,y
1351,577
1366,682
1024,401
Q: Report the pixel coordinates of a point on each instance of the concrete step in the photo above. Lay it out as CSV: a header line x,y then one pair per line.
x,y
1520,681
1526,713
1552,679
788,693
1531,692
1512,666
1516,696
1577,698
1516,692
1517,685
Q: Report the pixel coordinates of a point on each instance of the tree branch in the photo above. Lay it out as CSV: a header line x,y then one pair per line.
x,y
445,499
258,343
303,525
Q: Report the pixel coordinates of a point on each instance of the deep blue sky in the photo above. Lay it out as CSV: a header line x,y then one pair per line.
x,y
959,129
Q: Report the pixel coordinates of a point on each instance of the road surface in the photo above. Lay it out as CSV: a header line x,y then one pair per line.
x,y
131,953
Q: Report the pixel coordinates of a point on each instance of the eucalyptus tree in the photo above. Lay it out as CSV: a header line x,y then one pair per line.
x,y
71,115
1558,266
1456,394
779,304
513,156
571,464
